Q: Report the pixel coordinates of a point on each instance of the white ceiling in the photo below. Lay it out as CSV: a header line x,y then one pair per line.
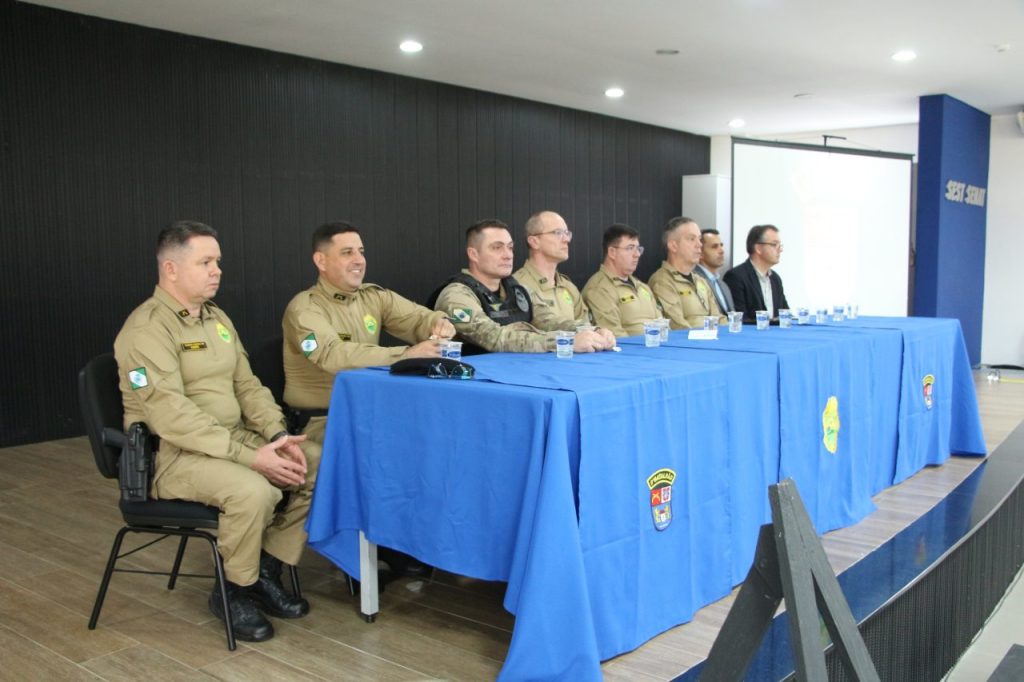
x,y
738,58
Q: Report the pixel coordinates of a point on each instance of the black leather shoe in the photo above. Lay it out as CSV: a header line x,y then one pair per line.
x,y
246,620
402,564
270,595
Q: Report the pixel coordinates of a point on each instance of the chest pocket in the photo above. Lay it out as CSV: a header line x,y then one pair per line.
x,y
209,356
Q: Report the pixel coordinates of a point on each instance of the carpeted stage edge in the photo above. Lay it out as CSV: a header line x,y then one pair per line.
x,y
921,598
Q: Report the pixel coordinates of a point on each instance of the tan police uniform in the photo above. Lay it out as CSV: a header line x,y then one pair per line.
x,y
189,379
622,306
685,304
327,330
557,298
474,326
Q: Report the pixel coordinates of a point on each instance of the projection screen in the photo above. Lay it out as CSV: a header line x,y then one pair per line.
x,y
844,218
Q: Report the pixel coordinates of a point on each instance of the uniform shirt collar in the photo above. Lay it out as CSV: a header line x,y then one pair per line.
x,y
164,297
334,292
541,278
629,281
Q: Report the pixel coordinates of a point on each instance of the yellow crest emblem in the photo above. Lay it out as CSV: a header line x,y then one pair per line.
x,y
830,424
926,388
223,333
371,322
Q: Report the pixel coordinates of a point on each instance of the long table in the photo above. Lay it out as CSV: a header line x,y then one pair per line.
x,y
551,474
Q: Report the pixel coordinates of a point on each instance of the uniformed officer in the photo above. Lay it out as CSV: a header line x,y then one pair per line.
x,y
618,301
686,298
335,325
490,309
183,371
551,292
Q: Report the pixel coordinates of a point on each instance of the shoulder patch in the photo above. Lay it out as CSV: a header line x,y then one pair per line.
x,y
137,378
308,344
462,314
370,322
224,333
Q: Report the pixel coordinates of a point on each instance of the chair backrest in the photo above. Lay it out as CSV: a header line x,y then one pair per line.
x,y
99,397
267,362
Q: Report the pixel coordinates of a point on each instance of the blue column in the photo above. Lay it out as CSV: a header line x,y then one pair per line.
x,y
952,195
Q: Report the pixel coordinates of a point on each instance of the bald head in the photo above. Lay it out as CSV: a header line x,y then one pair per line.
x,y
548,237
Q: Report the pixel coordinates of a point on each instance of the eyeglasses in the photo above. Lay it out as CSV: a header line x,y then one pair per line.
x,y
559,234
460,371
632,247
774,245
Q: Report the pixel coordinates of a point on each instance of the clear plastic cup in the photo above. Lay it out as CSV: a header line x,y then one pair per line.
x,y
785,318
839,312
711,323
563,344
822,316
664,326
762,319
451,350
735,322
803,316
851,310
652,334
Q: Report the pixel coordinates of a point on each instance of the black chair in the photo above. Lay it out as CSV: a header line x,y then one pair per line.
x,y
103,416
267,363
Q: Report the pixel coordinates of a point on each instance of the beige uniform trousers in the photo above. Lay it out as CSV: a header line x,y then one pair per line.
x,y
248,520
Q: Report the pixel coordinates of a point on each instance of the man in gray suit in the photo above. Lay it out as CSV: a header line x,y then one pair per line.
x,y
711,259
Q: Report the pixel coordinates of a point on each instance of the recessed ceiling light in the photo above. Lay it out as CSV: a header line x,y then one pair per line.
x,y
614,93
666,51
904,56
410,46
737,123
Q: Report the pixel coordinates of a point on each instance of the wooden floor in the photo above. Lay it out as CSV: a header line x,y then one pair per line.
x,y
58,517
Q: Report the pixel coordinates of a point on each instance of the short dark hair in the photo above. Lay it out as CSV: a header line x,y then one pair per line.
x,y
756,234
708,230
671,225
323,235
474,231
176,235
614,233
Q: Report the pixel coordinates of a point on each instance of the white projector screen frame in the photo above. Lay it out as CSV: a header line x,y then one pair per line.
x,y
843,216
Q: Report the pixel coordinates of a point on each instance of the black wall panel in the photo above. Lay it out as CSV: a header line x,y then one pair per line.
x,y
109,131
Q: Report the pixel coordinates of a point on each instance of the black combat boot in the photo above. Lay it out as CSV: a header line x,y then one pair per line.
x,y
248,623
270,595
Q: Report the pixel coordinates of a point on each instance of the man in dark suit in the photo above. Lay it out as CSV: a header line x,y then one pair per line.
x,y
711,259
753,283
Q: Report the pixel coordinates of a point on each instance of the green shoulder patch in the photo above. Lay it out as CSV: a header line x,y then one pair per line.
x,y
137,378
308,344
462,314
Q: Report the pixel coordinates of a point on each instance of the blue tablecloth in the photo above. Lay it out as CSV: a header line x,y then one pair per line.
x,y
945,420
537,473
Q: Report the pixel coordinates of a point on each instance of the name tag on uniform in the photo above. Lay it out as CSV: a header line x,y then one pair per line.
x,y
627,298
193,345
685,292
344,337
